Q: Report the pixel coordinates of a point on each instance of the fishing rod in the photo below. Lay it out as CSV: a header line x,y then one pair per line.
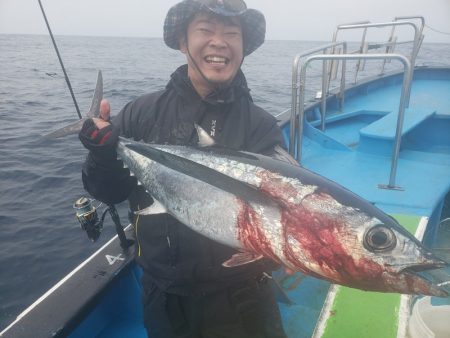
x,y
60,61
85,212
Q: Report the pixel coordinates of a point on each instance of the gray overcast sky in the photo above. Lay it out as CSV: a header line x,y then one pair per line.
x,y
286,19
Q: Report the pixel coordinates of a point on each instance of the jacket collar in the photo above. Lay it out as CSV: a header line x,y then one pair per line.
x,y
181,83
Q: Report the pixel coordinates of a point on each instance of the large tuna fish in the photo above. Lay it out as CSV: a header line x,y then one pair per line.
x,y
267,207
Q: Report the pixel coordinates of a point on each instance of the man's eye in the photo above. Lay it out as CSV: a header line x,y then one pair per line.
x,y
233,32
204,30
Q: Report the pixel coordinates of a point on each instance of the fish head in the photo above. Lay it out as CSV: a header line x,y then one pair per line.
x,y
397,258
358,246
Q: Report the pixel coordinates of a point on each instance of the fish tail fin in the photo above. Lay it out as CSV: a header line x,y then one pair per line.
x,y
70,129
94,111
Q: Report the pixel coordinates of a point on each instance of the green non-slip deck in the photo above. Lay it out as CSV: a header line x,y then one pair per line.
x,y
360,314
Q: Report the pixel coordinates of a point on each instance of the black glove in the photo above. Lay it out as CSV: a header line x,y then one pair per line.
x,y
100,142
104,176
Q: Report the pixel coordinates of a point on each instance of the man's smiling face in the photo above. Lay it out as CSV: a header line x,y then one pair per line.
x,y
214,48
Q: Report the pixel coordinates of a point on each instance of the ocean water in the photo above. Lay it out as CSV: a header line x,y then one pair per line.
x,y
40,238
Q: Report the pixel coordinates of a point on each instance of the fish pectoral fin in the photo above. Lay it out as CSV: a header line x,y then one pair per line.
x,y
154,209
241,258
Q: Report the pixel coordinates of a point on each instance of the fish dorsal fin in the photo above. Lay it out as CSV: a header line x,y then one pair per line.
x,y
241,258
154,209
204,140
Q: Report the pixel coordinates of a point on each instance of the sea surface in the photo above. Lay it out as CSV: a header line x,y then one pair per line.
x,y
40,238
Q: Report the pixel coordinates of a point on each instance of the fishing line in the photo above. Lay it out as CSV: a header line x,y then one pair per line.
x,y
60,61
436,30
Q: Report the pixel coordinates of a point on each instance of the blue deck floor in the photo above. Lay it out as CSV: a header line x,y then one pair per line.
x,y
359,140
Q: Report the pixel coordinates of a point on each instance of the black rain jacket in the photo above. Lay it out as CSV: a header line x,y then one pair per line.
x,y
175,258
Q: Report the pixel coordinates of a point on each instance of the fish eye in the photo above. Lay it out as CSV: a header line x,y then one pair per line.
x,y
379,239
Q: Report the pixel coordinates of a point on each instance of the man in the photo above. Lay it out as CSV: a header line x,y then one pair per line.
x,y
187,291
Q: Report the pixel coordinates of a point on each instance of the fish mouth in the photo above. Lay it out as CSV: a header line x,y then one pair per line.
x,y
425,267
416,274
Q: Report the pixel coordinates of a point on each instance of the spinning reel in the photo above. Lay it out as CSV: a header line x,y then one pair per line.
x,y
93,225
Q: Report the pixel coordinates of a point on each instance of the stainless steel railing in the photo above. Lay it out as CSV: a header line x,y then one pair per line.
x,y
298,110
365,26
392,42
325,85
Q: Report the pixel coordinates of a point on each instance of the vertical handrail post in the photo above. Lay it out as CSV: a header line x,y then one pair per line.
x,y
301,113
342,87
323,105
295,88
361,51
404,101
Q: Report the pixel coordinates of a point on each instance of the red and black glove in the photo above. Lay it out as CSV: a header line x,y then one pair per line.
x,y
100,142
104,176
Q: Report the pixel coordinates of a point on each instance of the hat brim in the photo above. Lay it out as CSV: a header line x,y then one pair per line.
x,y
253,25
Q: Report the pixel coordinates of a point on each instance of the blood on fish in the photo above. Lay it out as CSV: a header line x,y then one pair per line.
x,y
319,235
250,233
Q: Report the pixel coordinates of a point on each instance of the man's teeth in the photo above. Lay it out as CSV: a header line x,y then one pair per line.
x,y
216,59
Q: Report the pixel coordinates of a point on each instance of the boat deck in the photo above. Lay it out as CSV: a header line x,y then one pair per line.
x,y
360,139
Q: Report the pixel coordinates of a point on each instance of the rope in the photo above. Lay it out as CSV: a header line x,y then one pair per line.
x,y
436,30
